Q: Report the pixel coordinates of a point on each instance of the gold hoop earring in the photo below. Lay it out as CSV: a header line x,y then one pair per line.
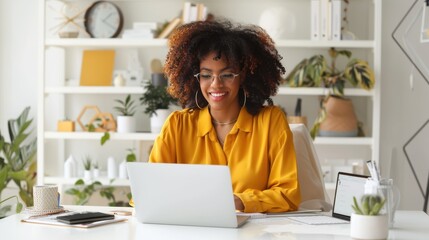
x,y
196,100
245,98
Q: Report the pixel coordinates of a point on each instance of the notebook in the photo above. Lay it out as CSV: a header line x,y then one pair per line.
x,y
183,194
347,186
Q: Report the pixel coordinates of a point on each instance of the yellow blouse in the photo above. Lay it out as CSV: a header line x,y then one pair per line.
x,y
259,151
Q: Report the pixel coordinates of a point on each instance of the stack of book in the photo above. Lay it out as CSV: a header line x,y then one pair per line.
x,y
191,12
141,30
326,19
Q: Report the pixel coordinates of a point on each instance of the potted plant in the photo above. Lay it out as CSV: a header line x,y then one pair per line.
x,y
18,157
315,72
96,170
157,101
126,119
87,163
366,221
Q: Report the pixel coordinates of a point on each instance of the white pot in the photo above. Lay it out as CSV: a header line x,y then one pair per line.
x,y
126,124
158,119
369,227
87,175
111,168
123,170
96,172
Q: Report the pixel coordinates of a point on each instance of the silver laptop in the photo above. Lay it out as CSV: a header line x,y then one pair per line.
x,y
347,186
183,194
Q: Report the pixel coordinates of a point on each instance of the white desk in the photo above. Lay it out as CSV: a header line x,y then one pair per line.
x,y
409,225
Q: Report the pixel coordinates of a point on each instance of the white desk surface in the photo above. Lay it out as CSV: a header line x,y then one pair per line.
x,y
408,225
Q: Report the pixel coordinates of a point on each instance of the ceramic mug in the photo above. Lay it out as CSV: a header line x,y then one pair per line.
x,y
45,197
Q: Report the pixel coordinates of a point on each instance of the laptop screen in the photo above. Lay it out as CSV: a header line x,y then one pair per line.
x,y
348,185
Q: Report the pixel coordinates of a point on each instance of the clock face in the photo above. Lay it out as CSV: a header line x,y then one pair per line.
x,y
103,20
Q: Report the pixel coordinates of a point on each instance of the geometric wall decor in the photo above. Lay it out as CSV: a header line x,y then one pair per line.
x,y
408,36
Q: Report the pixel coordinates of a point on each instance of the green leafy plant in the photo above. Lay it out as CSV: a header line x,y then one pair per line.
x,y
87,162
104,138
155,97
7,208
370,205
126,107
18,157
108,193
81,192
131,156
315,72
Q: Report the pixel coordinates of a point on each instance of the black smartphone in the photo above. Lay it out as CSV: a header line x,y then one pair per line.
x,y
85,217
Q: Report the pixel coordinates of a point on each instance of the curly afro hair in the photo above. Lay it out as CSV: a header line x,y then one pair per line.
x,y
247,47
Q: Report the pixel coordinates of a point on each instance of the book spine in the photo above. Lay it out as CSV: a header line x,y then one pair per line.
x,y
186,12
336,20
324,19
315,19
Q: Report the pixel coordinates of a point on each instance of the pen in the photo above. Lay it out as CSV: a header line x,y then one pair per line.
x,y
377,173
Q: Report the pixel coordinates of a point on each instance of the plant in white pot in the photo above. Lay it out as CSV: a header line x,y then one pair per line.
x,y
157,101
126,120
367,222
87,163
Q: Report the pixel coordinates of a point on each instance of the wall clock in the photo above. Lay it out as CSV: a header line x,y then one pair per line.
x,y
103,20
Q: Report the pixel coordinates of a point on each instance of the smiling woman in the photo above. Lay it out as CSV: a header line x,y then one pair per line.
x,y
223,75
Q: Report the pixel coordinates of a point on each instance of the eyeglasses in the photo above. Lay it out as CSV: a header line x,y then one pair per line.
x,y
206,77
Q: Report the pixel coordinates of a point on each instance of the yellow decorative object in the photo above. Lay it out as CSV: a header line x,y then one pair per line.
x,y
97,67
66,126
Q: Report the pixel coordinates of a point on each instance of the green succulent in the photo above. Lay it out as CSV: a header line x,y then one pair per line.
x,y
370,205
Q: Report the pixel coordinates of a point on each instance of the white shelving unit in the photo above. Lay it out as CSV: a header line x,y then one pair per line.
x,y
369,47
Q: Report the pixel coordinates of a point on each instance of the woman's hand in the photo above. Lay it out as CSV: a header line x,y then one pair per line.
x,y
238,203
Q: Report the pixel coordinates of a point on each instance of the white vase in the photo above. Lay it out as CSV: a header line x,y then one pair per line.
x,y
96,173
157,120
369,227
126,124
111,168
123,170
119,81
68,168
71,170
87,175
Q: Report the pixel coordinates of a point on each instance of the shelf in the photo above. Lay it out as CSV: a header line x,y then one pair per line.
x,y
98,135
344,141
321,91
132,43
152,137
140,90
95,90
70,181
109,42
324,44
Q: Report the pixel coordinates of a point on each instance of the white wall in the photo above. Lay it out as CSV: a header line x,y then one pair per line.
x,y
403,110
18,59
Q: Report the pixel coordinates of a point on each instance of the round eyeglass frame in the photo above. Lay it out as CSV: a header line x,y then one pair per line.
x,y
215,76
